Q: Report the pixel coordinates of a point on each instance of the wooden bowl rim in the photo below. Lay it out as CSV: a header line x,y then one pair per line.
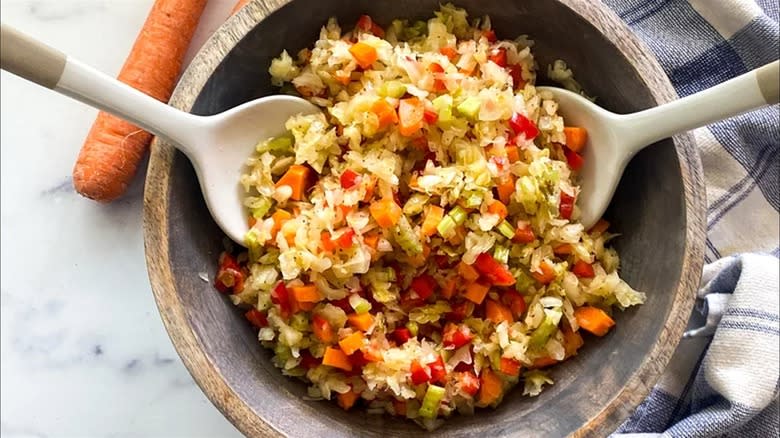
x,y
208,376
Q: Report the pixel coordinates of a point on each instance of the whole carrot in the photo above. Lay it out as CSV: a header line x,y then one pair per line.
x,y
113,148
239,5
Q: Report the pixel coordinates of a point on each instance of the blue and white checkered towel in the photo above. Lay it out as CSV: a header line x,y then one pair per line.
x,y
723,378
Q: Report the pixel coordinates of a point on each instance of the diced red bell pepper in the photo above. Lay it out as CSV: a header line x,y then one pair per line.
x,y
438,84
515,302
510,367
438,371
516,72
308,361
230,278
366,24
455,336
521,124
583,269
281,297
490,35
424,286
493,271
420,373
498,56
345,240
349,178
574,159
442,261
257,318
430,117
524,234
469,382
460,311
401,335
410,300
566,207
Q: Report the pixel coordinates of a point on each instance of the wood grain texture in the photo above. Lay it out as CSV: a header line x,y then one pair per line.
x,y
659,209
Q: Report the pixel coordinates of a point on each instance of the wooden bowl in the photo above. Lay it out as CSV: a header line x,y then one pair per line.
x,y
659,210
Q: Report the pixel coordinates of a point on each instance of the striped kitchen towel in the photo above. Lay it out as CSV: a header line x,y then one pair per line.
x,y
723,378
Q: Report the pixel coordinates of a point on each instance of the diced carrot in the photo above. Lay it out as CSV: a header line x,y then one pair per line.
x,y
543,362
524,234
459,236
385,113
364,54
279,217
352,343
347,399
505,188
510,367
322,329
594,320
449,51
411,114
498,312
583,269
252,221
371,240
371,354
300,306
306,294
563,249
572,341
476,292
600,227
336,358
297,178
343,77
490,388
385,212
512,153
498,207
576,137
433,215
448,290
467,272
546,275
360,321
289,235
326,242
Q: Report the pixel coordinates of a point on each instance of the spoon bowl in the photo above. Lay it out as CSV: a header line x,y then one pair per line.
x,y
218,146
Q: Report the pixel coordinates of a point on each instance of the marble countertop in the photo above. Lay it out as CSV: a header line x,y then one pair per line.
x,y
84,352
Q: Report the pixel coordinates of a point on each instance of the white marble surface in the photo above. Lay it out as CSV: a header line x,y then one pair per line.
x,y
84,352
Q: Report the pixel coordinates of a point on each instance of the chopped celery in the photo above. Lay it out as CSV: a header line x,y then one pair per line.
x,y
415,204
283,143
413,327
262,205
446,227
251,242
419,28
469,108
523,281
394,89
506,229
360,304
443,107
501,254
431,401
406,238
300,322
458,215
472,199
546,329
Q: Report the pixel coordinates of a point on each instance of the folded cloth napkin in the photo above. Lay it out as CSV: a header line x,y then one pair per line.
x,y
723,378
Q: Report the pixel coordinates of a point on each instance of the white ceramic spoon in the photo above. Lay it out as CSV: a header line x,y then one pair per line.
x,y
217,145
613,139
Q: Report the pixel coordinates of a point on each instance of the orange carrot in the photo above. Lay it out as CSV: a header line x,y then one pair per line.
x,y
546,275
449,51
563,249
498,207
113,149
476,292
498,312
505,188
512,153
364,54
433,215
238,6
510,367
468,272
593,320
326,242
306,294
322,329
385,212
490,387
297,178
411,114
449,288
385,113
279,217
576,137
336,358
347,399
371,240
352,343
572,341
360,321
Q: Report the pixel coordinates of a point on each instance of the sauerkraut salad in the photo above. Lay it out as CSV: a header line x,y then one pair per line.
x,y
415,249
